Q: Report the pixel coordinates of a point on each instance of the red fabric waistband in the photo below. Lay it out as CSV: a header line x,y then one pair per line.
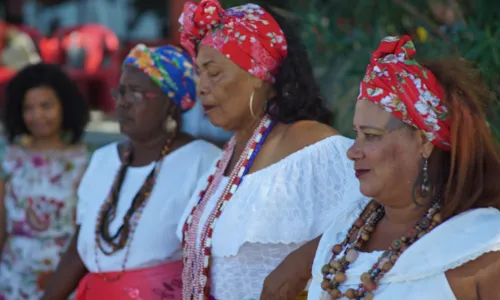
x,y
160,282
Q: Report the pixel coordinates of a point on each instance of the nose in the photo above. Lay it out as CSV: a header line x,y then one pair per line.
x,y
203,86
355,152
122,102
36,113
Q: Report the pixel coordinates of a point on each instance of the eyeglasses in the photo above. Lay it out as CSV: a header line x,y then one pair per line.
x,y
121,95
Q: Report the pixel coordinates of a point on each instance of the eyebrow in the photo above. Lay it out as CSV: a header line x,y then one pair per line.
x,y
364,127
133,86
205,64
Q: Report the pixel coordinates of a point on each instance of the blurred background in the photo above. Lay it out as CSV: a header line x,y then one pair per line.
x,y
91,37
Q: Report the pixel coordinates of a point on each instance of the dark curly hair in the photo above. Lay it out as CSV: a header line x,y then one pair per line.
x,y
297,92
75,111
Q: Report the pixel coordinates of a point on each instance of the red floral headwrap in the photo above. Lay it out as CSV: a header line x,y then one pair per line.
x,y
248,35
396,81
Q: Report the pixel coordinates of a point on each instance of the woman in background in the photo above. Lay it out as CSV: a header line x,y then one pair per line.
x,y
45,118
133,193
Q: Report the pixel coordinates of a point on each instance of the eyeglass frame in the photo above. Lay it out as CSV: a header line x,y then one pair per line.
x,y
136,96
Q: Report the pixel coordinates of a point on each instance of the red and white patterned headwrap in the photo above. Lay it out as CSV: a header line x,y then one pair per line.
x,y
396,81
247,35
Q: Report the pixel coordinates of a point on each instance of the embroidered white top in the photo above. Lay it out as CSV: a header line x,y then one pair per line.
x,y
420,271
154,241
274,211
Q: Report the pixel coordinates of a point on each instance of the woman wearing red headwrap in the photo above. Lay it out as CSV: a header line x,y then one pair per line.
x,y
282,168
427,163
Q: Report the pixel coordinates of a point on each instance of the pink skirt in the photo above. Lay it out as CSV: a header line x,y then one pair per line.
x,y
160,282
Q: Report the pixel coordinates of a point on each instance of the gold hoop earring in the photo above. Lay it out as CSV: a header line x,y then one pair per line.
x,y
251,105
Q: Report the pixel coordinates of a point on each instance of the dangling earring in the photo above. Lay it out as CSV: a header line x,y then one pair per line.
x,y
170,124
251,105
424,187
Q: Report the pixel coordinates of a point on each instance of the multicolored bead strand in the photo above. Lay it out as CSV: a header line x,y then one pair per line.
x,y
334,273
134,213
196,273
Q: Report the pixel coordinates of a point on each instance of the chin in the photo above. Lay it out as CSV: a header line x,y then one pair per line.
x,y
41,134
126,130
367,190
218,121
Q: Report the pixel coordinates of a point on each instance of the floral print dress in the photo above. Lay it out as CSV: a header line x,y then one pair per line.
x,y
40,202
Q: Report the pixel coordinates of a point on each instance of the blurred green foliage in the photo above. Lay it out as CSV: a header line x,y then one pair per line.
x,y
341,34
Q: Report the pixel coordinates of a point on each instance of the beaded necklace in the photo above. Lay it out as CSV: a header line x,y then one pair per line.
x,y
196,272
334,272
107,213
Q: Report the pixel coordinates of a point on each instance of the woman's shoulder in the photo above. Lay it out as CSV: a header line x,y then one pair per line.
x,y
106,151
310,142
477,235
197,149
102,156
196,155
305,133
198,145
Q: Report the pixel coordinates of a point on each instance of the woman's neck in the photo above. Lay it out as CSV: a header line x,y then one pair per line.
x,y
402,218
148,150
47,143
244,134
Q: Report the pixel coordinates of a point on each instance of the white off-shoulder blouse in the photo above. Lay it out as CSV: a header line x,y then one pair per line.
x,y
274,211
420,271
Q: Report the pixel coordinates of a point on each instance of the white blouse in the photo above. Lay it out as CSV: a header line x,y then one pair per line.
x,y
420,271
274,211
154,241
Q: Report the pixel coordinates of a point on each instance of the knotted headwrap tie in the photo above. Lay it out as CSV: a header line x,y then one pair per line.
x,y
170,68
410,92
247,35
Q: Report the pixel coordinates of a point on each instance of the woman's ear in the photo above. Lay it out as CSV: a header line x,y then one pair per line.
x,y
426,146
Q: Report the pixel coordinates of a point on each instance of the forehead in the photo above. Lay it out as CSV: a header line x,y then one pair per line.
x,y
41,93
368,113
133,77
207,55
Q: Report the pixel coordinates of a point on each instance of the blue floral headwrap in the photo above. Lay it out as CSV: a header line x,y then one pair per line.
x,y
170,68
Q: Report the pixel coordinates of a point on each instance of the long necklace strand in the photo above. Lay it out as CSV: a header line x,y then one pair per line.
x,y
107,213
334,273
197,262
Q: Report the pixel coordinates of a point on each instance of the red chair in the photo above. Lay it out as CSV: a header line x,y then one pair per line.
x,y
98,42
91,54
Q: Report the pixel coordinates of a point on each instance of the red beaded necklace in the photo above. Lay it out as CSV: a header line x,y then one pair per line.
x,y
124,236
196,271
334,272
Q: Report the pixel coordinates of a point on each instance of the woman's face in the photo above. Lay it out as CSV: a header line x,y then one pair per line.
x,y
142,107
225,90
387,154
42,112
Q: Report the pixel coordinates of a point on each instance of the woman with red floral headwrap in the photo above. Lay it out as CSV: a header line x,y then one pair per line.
x,y
425,157
283,167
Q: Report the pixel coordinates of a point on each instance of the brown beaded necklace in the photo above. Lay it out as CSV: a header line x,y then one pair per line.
x,y
118,241
334,271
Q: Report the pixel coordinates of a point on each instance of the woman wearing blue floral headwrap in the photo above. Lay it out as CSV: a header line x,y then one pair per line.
x,y
133,193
